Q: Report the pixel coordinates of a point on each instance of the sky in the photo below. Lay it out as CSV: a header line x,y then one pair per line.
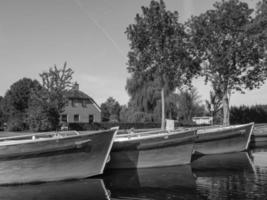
x,y
90,36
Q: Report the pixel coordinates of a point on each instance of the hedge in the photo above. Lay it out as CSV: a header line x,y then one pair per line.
x,y
107,125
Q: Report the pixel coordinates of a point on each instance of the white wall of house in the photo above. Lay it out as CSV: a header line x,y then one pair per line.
x,y
83,110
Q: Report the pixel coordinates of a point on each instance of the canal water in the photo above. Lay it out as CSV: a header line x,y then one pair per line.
x,y
227,176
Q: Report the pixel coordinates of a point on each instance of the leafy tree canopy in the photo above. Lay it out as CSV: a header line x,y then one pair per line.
x,y
158,59
48,103
57,81
16,102
17,97
157,43
230,55
110,110
259,26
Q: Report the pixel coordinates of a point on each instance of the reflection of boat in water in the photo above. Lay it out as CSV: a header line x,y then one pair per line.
x,y
259,136
54,156
218,140
151,183
71,190
223,162
152,149
260,157
225,176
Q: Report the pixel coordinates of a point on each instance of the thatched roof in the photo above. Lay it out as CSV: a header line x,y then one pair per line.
x,y
77,94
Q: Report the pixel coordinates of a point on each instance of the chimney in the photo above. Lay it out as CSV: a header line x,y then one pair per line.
x,y
75,86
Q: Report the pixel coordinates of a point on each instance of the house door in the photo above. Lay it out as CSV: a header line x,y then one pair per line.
x,y
91,119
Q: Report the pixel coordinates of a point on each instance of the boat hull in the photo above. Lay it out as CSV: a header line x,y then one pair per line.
x,y
156,150
66,158
223,140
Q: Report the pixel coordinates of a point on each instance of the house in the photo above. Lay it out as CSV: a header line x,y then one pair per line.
x,y
81,108
203,120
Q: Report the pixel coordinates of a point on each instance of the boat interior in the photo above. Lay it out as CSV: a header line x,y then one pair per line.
x,y
132,135
36,136
212,129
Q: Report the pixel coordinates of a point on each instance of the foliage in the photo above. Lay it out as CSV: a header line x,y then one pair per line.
x,y
47,103
231,56
258,28
57,79
2,116
144,95
57,82
16,101
261,23
110,110
157,57
129,114
181,107
245,114
42,114
189,105
214,104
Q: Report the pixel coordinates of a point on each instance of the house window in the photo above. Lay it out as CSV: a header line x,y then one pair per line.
x,y
84,103
91,119
75,102
76,118
64,118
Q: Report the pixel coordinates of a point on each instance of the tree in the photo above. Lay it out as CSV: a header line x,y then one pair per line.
x,y
157,51
245,114
42,113
188,105
47,103
145,97
110,110
2,116
16,101
230,55
57,82
214,104
258,27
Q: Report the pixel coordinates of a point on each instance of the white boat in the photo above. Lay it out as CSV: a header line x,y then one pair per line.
x,y
226,139
152,149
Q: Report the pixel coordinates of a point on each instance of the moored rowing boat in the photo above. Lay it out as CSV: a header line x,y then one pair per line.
x,y
152,149
53,156
223,139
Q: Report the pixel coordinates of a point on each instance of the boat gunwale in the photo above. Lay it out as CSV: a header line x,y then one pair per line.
x,y
223,128
136,137
221,137
3,141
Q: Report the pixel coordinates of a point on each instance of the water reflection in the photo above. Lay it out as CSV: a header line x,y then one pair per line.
x,y
227,176
260,162
153,183
72,190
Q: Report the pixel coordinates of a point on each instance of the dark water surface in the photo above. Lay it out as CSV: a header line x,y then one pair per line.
x,y
227,176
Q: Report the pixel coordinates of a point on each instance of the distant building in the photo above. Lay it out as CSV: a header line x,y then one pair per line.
x,y
81,108
203,120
